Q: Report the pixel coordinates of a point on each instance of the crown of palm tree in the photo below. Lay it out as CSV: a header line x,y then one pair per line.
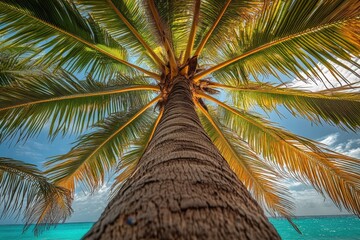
x,y
130,52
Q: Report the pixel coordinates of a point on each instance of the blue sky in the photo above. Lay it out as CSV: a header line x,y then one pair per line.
x,y
88,207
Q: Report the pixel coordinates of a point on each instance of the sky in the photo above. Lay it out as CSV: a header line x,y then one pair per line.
x,y
88,207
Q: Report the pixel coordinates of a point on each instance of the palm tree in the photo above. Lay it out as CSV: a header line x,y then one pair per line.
x,y
188,160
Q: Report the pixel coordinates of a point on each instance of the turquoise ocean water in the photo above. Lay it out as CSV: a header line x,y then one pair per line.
x,y
314,228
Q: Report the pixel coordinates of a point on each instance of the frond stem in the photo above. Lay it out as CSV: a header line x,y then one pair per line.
x,y
100,93
137,35
165,40
208,34
218,130
155,126
220,103
274,90
195,22
216,127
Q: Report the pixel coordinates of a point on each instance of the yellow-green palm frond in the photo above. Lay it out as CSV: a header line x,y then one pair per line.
x,y
96,153
131,156
334,106
26,192
126,22
301,158
217,21
160,21
276,42
175,20
12,67
192,34
67,104
63,36
258,177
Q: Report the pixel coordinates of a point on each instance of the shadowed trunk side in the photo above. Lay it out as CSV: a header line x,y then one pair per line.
x,y
183,188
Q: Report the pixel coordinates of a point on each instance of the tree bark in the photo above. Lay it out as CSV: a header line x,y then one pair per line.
x,y
183,188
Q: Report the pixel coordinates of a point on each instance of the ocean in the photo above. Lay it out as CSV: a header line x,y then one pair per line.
x,y
314,228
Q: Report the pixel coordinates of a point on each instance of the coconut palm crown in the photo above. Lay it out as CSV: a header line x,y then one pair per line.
x,y
131,53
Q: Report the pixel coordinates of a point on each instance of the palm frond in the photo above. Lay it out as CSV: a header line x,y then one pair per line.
x,y
63,102
275,41
301,158
24,190
218,20
62,35
334,106
96,153
258,177
175,19
154,11
12,68
131,28
192,34
213,26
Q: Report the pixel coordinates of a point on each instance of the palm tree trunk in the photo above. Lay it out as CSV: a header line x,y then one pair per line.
x,y
183,188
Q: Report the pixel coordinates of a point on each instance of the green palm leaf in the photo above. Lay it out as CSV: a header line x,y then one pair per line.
x,y
13,69
65,103
174,17
24,190
334,106
194,27
158,22
217,19
96,153
276,42
63,35
130,30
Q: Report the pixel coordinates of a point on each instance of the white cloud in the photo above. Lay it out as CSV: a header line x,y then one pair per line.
x,y
88,207
330,139
349,147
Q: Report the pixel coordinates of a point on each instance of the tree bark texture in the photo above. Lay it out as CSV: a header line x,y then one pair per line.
x,y
183,188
